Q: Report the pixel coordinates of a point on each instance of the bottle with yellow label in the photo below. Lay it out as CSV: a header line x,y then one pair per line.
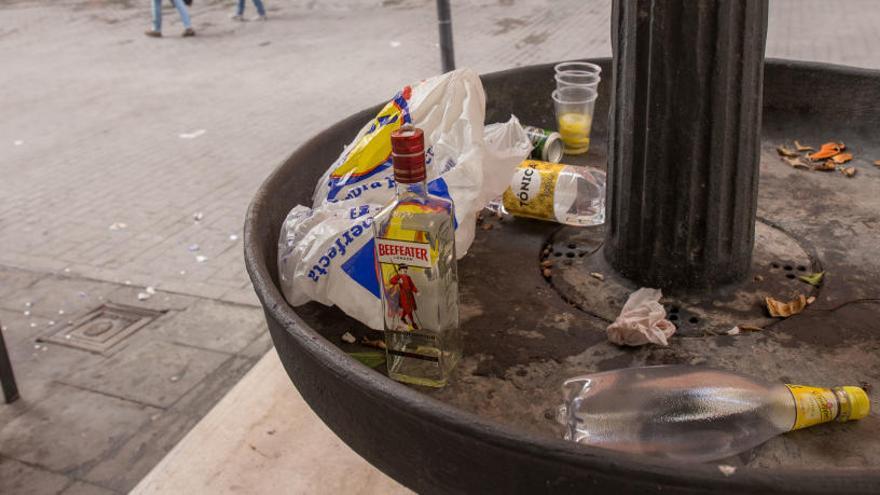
x,y
695,414
567,194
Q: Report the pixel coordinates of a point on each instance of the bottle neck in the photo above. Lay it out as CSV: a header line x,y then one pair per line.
x,y
815,405
414,191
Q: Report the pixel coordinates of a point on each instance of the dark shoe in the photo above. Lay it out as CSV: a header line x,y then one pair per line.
x,y
153,33
188,32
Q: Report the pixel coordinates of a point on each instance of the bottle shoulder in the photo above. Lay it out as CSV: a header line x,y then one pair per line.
x,y
428,206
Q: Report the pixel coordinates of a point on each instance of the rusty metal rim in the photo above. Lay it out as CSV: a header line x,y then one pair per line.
x,y
701,477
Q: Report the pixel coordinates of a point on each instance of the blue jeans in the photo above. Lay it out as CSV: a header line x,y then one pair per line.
x,y
157,14
257,3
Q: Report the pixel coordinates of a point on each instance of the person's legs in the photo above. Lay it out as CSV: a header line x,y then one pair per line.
x,y
259,5
184,14
157,15
239,9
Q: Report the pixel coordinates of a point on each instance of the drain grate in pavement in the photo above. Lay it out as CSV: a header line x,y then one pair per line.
x,y
102,328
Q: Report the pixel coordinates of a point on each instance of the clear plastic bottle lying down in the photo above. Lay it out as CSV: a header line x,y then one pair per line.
x,y
573,195
693,413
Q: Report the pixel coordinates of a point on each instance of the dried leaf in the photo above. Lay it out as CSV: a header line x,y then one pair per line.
x,y
779,309
848,171
546,264
379,344
786,152
547,273
371,359
811,299
749,328
814,279
842,158
827,151
796,162
826,166
743,328
801,147
597,275
877,163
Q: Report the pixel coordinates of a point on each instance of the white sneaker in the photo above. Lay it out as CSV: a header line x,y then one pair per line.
x,y
260,18
236,17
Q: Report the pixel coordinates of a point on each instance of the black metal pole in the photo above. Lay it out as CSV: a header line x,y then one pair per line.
x,y
7,378
444,20
685,140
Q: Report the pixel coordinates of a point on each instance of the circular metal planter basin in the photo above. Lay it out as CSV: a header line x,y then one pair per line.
x,y
427,441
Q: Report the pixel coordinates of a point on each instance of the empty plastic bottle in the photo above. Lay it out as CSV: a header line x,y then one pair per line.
x,y
568,194
694,413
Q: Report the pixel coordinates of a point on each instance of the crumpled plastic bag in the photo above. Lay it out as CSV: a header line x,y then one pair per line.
x,y
325,252
642,321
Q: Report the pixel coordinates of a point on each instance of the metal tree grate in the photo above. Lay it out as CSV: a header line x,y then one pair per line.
x,y
102,328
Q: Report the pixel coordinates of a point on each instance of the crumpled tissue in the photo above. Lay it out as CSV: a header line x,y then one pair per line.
x,y
642,321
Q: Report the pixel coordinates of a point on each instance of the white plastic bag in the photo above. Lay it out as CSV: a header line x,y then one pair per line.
x,y
325,252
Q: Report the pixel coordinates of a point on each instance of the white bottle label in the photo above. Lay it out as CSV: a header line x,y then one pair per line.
x,y
403,253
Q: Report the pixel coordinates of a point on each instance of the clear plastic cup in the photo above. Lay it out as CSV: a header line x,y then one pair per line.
x,y
574,117
577,78
578,67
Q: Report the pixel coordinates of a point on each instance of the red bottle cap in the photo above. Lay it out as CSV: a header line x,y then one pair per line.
x,y
408,154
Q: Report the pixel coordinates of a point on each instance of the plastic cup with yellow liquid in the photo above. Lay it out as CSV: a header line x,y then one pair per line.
x,y
574,117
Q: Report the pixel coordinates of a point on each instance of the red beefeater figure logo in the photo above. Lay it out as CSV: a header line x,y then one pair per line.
x,y
407,294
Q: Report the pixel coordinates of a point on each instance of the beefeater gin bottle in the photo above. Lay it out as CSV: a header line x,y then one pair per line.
x,y
416,267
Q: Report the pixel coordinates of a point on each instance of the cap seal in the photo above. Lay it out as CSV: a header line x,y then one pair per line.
x,y
408,154
860,406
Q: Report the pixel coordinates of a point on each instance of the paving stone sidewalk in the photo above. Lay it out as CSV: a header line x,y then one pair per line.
x,y
95,423
128,162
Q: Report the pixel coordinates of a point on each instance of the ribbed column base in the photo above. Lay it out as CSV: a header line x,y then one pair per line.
x,y
684,139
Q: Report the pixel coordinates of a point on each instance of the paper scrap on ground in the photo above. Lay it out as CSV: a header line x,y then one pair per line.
x,y
192,135
642,321
726,470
